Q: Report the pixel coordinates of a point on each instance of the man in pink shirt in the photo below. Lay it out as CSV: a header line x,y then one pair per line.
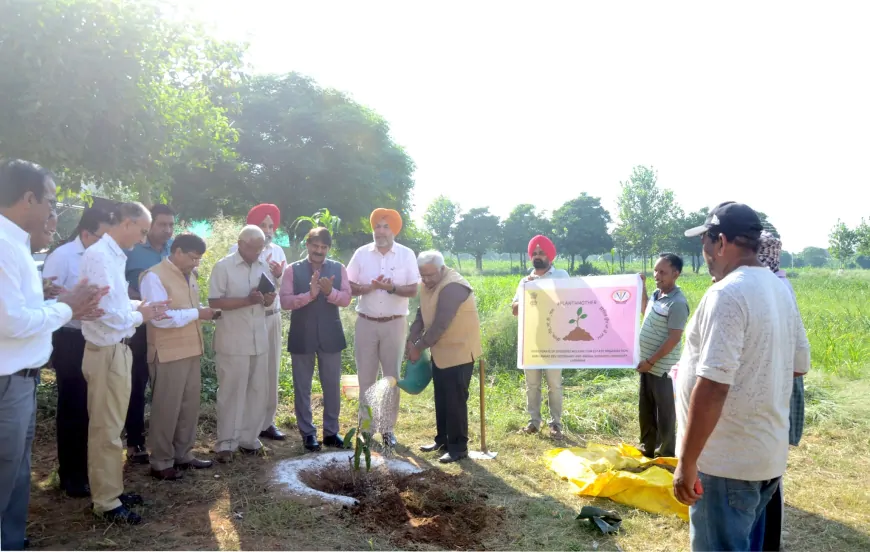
x,y
384,275
313,289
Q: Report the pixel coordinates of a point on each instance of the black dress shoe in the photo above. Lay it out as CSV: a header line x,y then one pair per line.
x,y
122,515
77,490
433,447
130,499
310,443
26,543
333,441
273,433
139,456
169,474
390,440
450,458
195,463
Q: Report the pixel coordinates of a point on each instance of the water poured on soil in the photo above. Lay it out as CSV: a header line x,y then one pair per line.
x,y
383,398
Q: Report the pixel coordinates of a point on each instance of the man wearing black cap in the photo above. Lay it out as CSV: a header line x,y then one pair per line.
x,y
743,346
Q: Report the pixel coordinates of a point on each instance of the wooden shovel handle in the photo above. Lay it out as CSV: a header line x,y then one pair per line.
x,y
482,406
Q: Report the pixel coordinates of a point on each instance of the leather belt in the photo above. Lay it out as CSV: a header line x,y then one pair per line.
x,y
270,313
28,373
382,319
67,329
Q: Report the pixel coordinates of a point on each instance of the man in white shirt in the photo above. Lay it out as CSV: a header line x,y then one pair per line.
x,y
27,201
175,347
542,252
108,361
384,275
744,345
66,358
268,218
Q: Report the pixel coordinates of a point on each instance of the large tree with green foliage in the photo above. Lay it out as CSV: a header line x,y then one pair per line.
x,y
816,257
112,93
646,213
303,147
580,228
523,223
440,220
477,232
842,242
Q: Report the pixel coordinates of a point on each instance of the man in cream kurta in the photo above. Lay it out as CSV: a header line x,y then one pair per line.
x,y
241,345
268,218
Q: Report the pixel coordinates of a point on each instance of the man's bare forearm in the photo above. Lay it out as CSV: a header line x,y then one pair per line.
x,y
229,303
705,408
408,291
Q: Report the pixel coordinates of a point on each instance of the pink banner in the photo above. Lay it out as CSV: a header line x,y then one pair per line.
x,y
590,322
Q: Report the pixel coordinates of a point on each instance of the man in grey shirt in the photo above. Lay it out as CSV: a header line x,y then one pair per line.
x,y
665,318
542,252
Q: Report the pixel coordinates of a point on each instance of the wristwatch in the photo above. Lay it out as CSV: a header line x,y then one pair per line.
x,y
392,291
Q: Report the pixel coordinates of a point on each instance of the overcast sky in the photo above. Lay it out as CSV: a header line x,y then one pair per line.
x,y
501,103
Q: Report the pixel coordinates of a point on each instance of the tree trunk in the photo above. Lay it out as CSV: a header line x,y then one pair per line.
x,y
511,257
478,259
459,262
572,263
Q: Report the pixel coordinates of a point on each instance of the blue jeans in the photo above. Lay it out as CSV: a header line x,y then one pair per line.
x,y
17,423
730,515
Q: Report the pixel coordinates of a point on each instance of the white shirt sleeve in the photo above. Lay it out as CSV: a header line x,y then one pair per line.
x,y
152,288
55,266
353,269
95,268
17,320
723,331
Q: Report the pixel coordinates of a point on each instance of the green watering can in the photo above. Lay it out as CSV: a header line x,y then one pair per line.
x,y
417,375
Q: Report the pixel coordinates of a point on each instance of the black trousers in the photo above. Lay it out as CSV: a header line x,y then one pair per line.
x,y
451,405
658,416
72,406
135,423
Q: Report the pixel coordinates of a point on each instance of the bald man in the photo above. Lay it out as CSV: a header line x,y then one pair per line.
x,y
384,275
542,252
268,218
241,345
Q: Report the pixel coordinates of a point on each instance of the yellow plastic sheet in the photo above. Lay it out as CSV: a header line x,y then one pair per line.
x,y
597,470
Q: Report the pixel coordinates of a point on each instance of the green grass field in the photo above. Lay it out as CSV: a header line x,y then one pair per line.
x,y
231,507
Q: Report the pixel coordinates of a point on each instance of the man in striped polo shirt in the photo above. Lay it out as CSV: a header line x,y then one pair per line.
x,y
665,317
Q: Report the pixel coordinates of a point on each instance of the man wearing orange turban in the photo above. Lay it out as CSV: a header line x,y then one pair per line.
x,y
268,218
384,275
542,252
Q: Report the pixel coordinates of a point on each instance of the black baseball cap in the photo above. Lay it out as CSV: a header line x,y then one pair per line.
x,y
732,219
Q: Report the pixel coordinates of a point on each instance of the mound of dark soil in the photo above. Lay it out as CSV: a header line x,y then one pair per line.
x,y
431,508
578,334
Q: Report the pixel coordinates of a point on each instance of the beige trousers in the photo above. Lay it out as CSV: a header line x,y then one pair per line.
x,y
273,367
379,344
107,370
241,400
174,411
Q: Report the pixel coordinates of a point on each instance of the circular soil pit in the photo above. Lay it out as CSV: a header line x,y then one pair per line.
x,y
422,508
299,476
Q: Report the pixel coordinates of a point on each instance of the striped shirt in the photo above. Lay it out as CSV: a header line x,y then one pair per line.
x,y
663,313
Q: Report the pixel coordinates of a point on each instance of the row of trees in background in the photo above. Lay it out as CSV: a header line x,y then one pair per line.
x,y
649,221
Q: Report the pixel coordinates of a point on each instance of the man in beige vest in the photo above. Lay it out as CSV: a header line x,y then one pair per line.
x,y
447,324
174,350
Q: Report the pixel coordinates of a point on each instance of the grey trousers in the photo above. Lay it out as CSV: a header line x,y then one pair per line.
x,y
17,425
534,378
329,372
